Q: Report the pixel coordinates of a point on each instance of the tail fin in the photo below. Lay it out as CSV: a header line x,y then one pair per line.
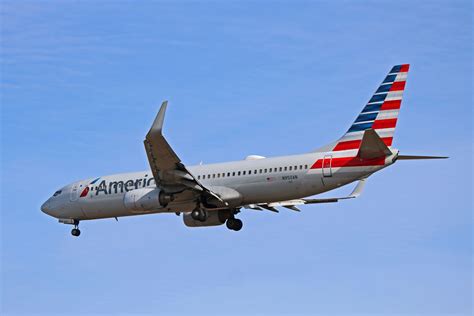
x,y
380,113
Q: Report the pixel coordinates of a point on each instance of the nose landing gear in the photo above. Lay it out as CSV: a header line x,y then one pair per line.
x,y
75,231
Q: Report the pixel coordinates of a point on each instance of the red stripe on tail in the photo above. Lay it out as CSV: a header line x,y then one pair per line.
x,y
350,162
354,144
388,123
405,68
398,86
391,105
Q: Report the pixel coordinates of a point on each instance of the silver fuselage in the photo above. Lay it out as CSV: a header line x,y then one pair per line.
x,y
262,180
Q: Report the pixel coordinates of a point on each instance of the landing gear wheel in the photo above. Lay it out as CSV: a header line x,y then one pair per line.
x,y
75,232
238,225
234,224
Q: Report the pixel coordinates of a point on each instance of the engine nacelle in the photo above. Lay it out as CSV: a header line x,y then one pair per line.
x,y
146,199
214,218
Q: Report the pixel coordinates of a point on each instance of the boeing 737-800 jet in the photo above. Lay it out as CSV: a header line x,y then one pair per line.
x,y
212,194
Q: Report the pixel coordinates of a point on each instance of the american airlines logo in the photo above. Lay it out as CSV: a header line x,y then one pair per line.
x,y
114,187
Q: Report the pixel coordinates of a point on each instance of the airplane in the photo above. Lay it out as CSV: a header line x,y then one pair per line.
x,y
213,194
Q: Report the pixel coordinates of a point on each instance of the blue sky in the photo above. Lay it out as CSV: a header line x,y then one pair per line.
x,y
81,83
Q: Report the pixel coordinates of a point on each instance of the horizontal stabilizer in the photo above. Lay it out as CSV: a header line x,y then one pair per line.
x,y
372,146
413,157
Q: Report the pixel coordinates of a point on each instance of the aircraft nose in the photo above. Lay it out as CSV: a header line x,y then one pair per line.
x,y
47,208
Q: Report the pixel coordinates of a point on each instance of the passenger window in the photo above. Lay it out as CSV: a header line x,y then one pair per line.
x,y
301,167
290,168
228,174
199,177
250,172
208,176
213,175
286,168
255,171
281,169
306,166
244,173
238,173
233,174
260,170
296,167
218,175
270,170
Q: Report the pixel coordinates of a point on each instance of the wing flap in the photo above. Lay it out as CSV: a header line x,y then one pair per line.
x,y
292,204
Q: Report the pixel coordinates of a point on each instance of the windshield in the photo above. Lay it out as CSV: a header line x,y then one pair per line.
x,y
57,193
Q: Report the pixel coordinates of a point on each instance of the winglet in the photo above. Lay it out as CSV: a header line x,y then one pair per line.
x,y
358,189
157,126
355,193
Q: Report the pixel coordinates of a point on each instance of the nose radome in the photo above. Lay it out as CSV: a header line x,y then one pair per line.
x,y
47,209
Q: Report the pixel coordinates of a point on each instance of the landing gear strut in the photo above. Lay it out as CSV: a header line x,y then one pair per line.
x,y
75,231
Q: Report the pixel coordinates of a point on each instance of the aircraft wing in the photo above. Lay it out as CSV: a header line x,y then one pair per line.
x,y
168,170
292,204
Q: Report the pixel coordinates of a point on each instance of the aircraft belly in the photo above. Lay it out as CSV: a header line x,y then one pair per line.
x,y
267,191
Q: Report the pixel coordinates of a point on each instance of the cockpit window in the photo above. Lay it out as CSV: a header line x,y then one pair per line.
x,y
57,193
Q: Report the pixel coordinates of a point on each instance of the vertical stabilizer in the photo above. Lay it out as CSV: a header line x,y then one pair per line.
x,y
380,113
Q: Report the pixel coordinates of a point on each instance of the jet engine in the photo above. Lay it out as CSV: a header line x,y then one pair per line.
x,y
214,218
146,199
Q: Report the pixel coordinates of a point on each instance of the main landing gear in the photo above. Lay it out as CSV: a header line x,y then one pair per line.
x,y
75,231
233,223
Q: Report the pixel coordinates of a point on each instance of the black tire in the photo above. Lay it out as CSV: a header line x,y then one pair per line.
x,y
230,223
237,224
75,232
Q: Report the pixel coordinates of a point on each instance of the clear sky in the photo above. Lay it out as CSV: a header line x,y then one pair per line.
x,y
81,83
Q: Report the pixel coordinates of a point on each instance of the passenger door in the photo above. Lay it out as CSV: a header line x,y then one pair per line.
x,y
76,190
327,162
